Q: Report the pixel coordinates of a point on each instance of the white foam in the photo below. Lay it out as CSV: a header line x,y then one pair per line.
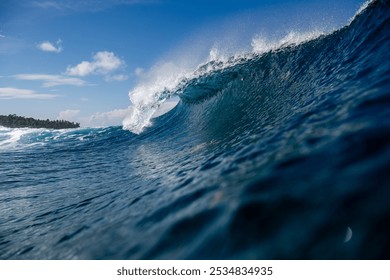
x,y
361,9
12,136
150,93
262,45
165,78
157,85
28,137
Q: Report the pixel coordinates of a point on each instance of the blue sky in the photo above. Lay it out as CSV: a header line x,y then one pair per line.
x,y
78,59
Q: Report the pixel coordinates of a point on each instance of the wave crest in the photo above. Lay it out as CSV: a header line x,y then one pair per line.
x,y
167,79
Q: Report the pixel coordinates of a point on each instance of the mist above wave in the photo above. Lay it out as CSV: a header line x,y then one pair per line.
x,y
167,79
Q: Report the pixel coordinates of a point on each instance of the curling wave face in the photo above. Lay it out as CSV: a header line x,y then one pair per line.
x,y
281,153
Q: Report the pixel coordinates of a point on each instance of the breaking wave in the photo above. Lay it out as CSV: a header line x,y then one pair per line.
x,y
278,153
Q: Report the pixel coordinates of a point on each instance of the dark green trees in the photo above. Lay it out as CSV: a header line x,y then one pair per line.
x,y
14,121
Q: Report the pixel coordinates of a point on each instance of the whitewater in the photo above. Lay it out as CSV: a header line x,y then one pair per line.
x,y
282,152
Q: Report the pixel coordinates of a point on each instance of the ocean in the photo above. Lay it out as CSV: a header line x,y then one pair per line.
x,y
282,153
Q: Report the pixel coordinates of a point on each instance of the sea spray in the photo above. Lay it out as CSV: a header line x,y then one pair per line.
x,y
167,79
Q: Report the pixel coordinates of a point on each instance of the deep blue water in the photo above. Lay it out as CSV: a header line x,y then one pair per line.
x,y
281,155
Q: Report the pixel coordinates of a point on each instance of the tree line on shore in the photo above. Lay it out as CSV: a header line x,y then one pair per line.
x,y
14,121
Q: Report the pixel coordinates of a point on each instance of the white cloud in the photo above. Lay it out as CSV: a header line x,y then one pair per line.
x,y
51,80
49,47
17,93
103,63
113,117
48,5
117,78
68,114
85,5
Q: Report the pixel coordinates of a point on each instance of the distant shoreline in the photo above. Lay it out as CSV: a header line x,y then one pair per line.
x,y
14,121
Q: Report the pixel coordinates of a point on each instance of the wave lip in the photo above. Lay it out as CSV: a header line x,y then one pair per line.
x,y
168,79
